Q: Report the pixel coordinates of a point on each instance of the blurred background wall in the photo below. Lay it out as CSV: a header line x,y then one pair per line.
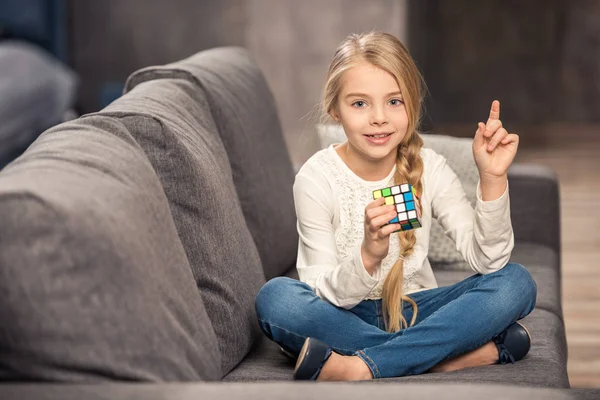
x,y
540,58
293,42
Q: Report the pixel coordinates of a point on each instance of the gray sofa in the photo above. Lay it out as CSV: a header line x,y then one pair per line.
x,y
133,241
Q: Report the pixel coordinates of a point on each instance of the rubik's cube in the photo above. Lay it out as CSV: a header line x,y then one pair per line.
x,y
406,200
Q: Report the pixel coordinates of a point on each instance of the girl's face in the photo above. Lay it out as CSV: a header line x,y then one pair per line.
x,y
371,109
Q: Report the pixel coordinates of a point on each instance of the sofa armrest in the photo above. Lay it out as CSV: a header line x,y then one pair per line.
x,y
535,205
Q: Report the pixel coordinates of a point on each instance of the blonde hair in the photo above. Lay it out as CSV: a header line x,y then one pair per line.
x,y
388,53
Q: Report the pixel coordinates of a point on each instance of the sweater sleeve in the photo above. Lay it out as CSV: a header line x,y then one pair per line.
x,y
483,236
344,283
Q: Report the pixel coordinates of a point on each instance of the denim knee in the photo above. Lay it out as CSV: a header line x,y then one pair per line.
x,y
519,286
276,298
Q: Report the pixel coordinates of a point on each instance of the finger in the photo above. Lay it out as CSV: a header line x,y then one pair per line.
x,y
371,210
497,138
495,110
375,203
491,127
388,230
479,139
380,221
511,138
377,211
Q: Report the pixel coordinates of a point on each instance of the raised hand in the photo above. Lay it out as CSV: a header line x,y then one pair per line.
x,y
494,149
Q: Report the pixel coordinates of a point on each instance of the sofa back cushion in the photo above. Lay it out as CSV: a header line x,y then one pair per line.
x,y
246,118
174,126
94,281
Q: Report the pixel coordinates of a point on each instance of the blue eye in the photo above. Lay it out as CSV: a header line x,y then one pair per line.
x,y
396,102
359,103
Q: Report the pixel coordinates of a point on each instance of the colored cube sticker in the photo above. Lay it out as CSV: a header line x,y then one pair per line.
x,y
408,206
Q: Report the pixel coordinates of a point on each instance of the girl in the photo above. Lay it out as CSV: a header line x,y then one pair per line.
x,y
360,281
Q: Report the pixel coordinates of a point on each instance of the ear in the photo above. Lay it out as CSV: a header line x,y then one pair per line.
x,y
334,115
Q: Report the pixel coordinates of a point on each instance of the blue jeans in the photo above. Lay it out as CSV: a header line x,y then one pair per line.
x,y
451,320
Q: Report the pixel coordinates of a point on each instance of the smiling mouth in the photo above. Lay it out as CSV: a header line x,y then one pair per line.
x,y
379,135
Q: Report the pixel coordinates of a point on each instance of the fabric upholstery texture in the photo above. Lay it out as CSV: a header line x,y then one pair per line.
x,y
173,125
95,282
245,114
37,90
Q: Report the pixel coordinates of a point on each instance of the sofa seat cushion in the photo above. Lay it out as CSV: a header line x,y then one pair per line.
x,y
173,125
95,282
544,365
246,118
266,361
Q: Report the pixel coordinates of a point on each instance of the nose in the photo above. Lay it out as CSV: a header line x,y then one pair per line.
x,y
378,117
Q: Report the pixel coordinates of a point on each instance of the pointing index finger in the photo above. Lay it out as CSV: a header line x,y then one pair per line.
x,y
495,110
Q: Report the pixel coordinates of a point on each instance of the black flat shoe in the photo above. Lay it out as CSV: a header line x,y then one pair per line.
x,y
313,355
513,343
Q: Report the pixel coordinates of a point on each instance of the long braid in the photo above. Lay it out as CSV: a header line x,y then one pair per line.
x,y
409,168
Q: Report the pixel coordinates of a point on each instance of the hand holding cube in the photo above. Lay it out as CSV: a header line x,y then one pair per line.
x,y
406,200
392,207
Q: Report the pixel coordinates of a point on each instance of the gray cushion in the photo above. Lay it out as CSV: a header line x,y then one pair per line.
x,y
246,117
535,204
266,362
544,365
94,279
174,127
36,90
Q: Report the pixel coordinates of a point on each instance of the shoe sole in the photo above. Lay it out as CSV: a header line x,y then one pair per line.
x,y
526,330
302,354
